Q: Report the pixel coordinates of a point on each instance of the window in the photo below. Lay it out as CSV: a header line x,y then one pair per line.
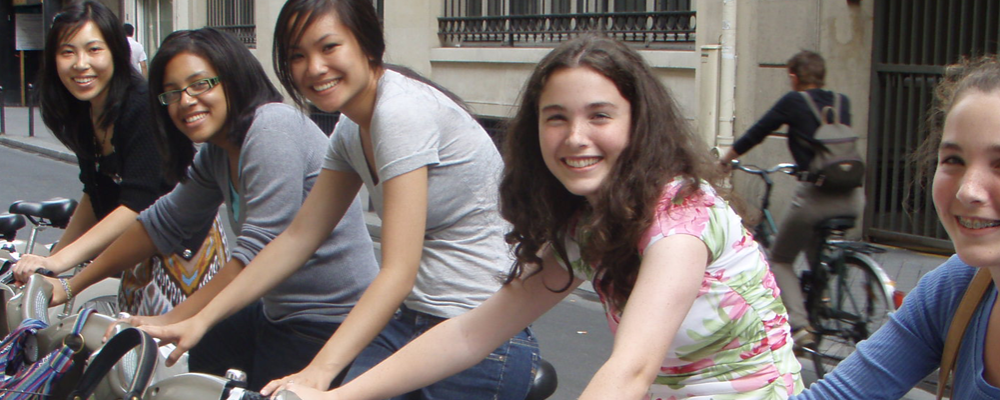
x,y
235,17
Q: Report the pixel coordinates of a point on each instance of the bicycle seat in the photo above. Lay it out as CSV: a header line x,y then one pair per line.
x,y
9,225
544,383
836,224
57,210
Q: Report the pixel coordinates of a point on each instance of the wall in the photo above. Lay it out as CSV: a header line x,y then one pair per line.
x,y
411,35
767,38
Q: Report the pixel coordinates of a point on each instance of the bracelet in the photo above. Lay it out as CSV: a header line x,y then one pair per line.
x,y
65,285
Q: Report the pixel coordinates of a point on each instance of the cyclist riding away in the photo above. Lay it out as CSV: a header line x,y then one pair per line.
x,y
810,205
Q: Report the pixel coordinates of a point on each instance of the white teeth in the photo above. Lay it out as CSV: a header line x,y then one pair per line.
x,y
326,86
196,117
582,162
84,80
977,223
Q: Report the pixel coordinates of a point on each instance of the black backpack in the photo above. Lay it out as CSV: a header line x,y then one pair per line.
x,y
836,166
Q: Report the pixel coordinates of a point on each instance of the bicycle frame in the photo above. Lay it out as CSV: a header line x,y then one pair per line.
x,y
828,283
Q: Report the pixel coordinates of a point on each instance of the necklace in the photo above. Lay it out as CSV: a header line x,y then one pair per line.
x,y
99,149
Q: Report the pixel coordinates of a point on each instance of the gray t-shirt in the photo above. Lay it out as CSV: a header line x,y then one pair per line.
x,y
279,162
464,258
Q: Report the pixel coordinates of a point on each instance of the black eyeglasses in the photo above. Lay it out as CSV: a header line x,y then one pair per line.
x,y
196,88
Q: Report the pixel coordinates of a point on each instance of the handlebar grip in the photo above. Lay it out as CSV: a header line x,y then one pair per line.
x,y
45,271
250,395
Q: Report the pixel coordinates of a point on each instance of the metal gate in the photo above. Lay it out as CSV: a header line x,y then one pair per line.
x,y
913,41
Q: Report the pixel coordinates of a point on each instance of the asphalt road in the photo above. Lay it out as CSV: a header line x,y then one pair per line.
x,y
31,177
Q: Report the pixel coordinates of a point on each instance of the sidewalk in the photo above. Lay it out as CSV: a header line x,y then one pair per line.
x,y
903,266
18,135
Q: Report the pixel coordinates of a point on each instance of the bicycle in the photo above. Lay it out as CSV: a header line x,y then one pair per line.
x,y
848,296
54,213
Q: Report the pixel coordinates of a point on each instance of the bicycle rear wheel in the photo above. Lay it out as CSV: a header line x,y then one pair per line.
x,y
853,306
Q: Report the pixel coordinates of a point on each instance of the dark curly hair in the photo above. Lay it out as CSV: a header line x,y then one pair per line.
x,y
661,147
981,74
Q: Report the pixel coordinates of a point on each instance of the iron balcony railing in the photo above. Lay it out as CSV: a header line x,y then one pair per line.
x,y
651,29
235,17
247,34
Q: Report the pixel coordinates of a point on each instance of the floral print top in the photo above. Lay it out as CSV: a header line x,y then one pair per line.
x,y
735,341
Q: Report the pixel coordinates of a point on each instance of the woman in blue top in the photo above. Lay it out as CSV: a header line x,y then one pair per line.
x,y
965,144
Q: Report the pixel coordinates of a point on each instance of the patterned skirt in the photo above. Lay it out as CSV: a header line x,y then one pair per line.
x,y
158,284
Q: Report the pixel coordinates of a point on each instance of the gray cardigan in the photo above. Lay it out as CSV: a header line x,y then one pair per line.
x,y
279,161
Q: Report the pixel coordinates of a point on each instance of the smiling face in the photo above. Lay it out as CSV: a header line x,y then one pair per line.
x,y
84,65
330,69
201,118
583,126
967,180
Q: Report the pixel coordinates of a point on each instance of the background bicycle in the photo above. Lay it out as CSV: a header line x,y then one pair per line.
x,y
848,295
39,217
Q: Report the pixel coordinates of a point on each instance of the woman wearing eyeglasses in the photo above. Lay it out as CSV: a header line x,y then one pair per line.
x,y
98,106
260,158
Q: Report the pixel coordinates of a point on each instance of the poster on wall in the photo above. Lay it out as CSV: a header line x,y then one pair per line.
x,y
28,32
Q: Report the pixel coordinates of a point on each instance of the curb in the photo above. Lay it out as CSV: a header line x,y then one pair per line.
x,y
45,151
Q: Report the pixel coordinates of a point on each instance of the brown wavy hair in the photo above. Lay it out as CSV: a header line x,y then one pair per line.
x,y
981,74
661,147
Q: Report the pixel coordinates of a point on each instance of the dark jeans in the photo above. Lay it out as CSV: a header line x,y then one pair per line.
x,y
263,349
506,374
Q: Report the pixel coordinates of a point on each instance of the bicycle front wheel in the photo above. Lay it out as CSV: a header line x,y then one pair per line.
x,y
853,306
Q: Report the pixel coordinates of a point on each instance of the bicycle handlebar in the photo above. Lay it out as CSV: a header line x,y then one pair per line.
x,y
788,168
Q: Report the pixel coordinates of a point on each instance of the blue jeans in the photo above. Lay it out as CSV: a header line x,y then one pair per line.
x,y
265,350
506,374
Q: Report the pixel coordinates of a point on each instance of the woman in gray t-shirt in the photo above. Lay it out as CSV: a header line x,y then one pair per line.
x,y
432,173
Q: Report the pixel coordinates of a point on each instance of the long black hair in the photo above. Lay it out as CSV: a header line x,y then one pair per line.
x,y
63,113
241,77
296,16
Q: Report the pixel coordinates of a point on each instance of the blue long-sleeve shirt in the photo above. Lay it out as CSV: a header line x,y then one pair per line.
x,y
792,110
910,345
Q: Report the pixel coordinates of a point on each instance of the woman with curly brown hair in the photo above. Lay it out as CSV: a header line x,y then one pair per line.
x,y
605,182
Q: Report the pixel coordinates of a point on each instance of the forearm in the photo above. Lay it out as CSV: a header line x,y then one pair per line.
x,y
368,317
459,343
83,219
197,301
133,246
95,240
275,263
619,380
445,350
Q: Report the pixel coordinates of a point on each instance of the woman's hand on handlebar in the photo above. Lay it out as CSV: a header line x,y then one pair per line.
x,y
58,292
315,377
726,165
185,334
135,321
29,263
